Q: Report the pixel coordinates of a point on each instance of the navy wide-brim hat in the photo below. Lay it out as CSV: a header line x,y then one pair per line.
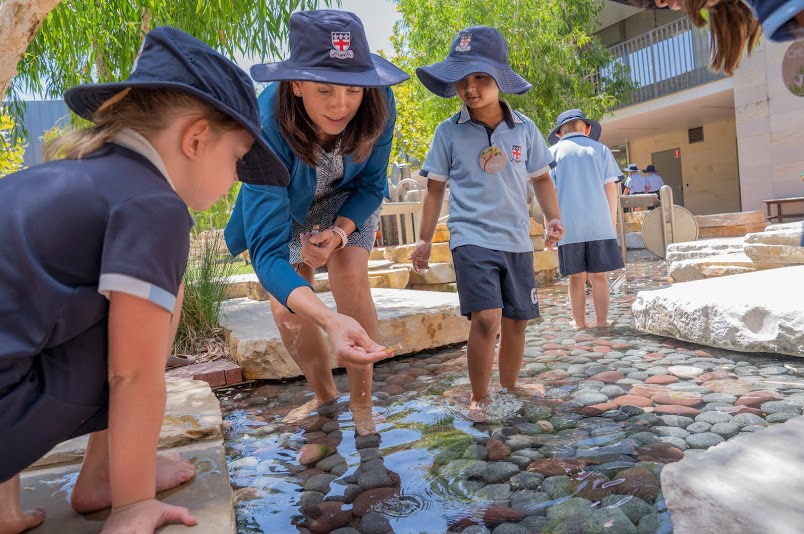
x,y
649,168
330,46
475,49
173,60
573,115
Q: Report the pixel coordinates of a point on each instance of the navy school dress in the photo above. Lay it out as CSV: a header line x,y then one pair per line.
x,y
73,231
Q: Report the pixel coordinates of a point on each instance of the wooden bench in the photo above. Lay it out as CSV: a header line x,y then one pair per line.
x,y
780,215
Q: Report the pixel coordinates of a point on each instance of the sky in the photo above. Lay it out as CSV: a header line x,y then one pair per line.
x,y
378,18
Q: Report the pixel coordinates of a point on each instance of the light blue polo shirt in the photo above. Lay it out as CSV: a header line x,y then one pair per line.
x,y
583,167
654,182
635,184
488,210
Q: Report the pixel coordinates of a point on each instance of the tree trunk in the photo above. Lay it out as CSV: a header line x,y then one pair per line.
x,y
19,22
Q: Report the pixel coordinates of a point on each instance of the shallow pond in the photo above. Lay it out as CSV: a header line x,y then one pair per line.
x,y
580,450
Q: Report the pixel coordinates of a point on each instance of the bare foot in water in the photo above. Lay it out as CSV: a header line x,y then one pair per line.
x,y
577,326
606,324
92,492
477,410
304,412
364,420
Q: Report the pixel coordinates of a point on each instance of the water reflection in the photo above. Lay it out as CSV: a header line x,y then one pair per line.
x,y
580,447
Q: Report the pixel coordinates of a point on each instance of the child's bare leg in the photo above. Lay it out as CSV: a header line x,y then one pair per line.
x,y
12,518
512,349
577,297
92,491
600,298
480,352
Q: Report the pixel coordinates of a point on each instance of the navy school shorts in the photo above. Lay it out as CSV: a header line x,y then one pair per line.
x,y
492,279
590,257
54,396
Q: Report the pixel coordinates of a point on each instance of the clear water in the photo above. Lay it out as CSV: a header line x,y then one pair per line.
x,y
538,463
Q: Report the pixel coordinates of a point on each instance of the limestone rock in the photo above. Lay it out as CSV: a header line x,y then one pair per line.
x,y
401,254
714,266
412,320
545,260
730,224
703,248
192,414
753,312
441,233
395,278
438,273
777,245
737,486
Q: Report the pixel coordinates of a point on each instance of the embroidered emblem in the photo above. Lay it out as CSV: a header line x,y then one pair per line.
x,y
516,152
463,42
534,298
341,42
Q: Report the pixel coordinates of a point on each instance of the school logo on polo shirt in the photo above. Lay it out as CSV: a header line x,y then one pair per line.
x,y
463,42
516,153
341,42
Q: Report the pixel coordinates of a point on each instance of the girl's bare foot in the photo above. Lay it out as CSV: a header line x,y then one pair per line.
x,y
578,326
13,519
92,492
145,516
605,324
477,410
21,521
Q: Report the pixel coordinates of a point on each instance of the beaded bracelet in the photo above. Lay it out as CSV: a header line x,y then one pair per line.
x,y
343,236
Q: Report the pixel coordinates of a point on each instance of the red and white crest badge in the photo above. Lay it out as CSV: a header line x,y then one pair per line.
x,y
341,42
516,153
463,42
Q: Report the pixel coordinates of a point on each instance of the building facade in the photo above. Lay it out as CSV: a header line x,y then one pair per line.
x,y
723,143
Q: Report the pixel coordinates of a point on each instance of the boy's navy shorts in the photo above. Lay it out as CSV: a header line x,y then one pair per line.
x,y
590,257
56,395
492,279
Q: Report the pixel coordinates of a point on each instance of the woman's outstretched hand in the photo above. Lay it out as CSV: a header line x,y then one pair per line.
x,y
353,346
145,517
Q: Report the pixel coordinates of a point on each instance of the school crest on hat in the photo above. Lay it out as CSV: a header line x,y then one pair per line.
x,y
516,153
341,42
463,42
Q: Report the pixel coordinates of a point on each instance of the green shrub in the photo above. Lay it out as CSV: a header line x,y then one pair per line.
x,y
11,152
204,292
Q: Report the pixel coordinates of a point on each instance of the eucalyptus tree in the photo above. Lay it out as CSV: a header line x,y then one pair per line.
x,y
51,45
551,43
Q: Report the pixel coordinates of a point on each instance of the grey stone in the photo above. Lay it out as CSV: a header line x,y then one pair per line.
x,y
704,440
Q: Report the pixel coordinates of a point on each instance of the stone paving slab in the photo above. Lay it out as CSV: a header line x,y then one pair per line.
x,y
193,427
714,266
748,484
753,312
208,496
413,320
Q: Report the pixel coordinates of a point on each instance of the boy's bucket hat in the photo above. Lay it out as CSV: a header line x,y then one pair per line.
x,y
649,168
171,59
475,49
330,46
632,168
573,115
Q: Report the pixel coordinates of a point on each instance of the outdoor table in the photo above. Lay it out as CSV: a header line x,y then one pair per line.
x,y
780,216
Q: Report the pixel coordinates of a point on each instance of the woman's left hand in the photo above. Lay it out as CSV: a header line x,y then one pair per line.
x,y
317,247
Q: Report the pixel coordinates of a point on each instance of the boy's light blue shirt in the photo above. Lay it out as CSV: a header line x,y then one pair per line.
x,y
654,182
635,184
583,167
488,210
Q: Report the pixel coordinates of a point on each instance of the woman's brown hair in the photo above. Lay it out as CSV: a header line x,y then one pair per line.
x,y
145,111
734,30
357,140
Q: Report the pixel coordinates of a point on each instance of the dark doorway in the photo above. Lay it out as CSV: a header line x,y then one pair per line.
x,y
668,166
